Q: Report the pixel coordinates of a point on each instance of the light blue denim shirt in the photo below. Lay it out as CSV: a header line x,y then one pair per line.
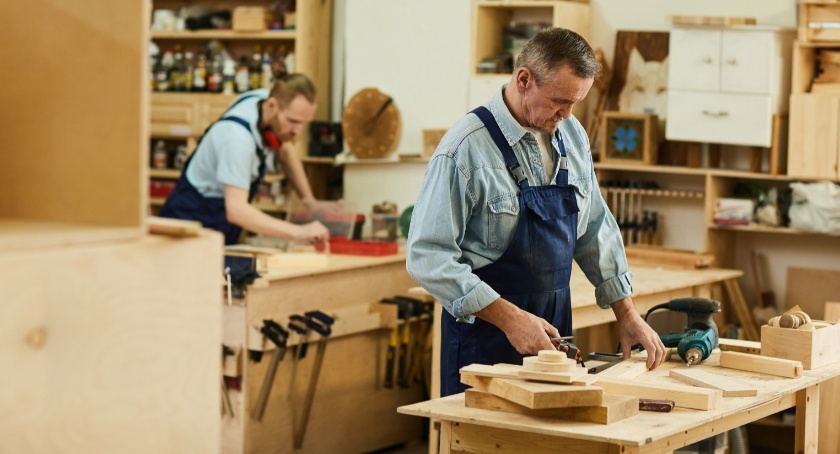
x,y
468,209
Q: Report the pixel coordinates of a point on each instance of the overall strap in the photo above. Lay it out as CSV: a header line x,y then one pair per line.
x,y
511,162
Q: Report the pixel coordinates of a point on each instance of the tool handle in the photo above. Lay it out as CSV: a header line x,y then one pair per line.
x,y
265,390
321,317
318,327
694,305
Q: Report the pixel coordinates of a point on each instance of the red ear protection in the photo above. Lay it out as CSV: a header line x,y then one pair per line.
x,y
270,139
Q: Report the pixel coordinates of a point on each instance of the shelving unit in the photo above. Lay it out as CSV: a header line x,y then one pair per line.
x,y
185,116
814,139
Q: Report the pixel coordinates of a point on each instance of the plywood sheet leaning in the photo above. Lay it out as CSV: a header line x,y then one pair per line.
x,y
683,396
704,379
762,364
810,288
535,395
613,408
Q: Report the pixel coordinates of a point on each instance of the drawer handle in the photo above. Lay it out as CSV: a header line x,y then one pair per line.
x,y
707,59
719,114
732,62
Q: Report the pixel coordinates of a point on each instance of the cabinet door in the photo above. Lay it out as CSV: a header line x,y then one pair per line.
x,y
814,136
172,114
694,59
746,61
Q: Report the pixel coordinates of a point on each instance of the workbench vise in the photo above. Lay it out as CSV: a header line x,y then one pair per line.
x,y
700,336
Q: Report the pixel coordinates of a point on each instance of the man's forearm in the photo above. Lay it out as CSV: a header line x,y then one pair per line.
x,y
296,174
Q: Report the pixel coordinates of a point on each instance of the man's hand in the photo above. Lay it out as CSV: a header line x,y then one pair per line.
x,y
633,330
313,232
526,332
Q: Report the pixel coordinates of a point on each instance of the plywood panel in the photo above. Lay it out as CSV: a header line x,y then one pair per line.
x,y
810,288
74,111
111,348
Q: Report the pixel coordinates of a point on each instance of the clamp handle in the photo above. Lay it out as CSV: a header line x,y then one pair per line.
x,y
316,325
321,317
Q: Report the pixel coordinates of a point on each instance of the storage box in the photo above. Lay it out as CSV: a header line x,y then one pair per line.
x,y
248,19
819,22
338,217
814,349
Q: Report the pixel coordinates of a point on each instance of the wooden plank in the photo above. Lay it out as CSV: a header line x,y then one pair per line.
x,y
535,395
613,408
579,376
682,395
704,379
173,227
627,370
829,410
762,364
740,346
664,257
712,20
810,288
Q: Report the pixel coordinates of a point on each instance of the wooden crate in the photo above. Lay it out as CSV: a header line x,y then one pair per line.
x,y
813,348
819,21
629,138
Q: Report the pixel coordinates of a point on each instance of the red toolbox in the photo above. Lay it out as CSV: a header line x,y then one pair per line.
x,y
342,245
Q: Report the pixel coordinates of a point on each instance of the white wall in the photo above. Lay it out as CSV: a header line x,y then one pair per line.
x,y
417,51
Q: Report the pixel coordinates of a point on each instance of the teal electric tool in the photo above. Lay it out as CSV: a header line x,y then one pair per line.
x,y
700,336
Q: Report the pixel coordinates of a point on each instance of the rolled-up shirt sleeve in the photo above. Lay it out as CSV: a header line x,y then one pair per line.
x,y
435,258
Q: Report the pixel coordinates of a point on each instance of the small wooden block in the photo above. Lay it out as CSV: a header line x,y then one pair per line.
x,y
551,356
534,363
542,395
740,346
705,379
578,376
762,364
657,405
682,395
613,408
173,227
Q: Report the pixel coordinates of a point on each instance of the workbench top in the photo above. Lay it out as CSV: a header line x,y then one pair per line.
x,y
774,395
337,263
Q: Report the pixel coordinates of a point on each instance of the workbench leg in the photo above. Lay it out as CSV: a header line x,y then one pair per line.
x,y
445,437
434,432
807,420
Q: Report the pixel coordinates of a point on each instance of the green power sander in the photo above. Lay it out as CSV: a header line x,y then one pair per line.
x,y
700,336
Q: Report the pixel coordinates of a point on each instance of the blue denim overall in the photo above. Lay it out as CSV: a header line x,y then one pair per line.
x,y
533,273
186,202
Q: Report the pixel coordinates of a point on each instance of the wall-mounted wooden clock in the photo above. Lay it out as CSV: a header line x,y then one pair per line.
x,y
371,124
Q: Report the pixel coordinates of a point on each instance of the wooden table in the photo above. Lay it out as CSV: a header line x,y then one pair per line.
x,y
484,431
651,286
352,412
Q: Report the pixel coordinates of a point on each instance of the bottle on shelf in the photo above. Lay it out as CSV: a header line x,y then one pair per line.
x,y
199,75
242,77
267,76
215,76
278,66
228,73
255,70
176,76
189,68
180,157
159,155
162,71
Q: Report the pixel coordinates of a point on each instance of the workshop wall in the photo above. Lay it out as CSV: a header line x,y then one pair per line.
x,y
418,52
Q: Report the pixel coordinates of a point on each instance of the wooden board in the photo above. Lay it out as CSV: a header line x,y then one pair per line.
x,y
740,346
762,364
614,408
704,379
173,227
577,377
810,288
535,395
682,395
668,257
829,410
628,369
712,20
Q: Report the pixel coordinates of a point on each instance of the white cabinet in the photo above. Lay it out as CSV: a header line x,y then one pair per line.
x,y
725,84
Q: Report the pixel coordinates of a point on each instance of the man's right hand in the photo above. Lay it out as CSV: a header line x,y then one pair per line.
x,y
526,332
313,232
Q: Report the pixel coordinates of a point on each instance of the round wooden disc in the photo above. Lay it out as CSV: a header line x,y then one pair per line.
x,y
551,356
371,124
534,363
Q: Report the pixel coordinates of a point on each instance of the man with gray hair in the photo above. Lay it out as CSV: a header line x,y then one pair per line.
x,y
508,200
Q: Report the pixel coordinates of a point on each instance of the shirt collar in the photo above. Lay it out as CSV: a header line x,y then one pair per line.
x,y
511,128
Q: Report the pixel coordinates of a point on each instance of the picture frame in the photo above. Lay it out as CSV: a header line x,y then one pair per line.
x,y
629,138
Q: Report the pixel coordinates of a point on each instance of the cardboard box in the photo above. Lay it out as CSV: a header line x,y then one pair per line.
x,y
814,349
249,19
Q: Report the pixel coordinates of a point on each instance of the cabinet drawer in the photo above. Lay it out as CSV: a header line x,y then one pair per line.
x,y
694,60
719,118
172,119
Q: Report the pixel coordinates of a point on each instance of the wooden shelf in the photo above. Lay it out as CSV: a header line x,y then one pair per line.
x,y
170,174
226,34
675,170
762,229
318,160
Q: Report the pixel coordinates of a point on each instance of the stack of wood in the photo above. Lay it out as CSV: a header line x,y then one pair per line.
x,y
828,78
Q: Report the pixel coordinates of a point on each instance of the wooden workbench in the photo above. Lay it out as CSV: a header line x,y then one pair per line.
x,y
594,330
351,412
479,431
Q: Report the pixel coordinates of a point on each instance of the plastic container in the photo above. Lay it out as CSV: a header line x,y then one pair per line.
x,y
384,227
338,217
340,245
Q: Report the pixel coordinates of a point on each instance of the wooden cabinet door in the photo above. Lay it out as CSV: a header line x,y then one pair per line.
x,y
694,60
746,61
814,136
